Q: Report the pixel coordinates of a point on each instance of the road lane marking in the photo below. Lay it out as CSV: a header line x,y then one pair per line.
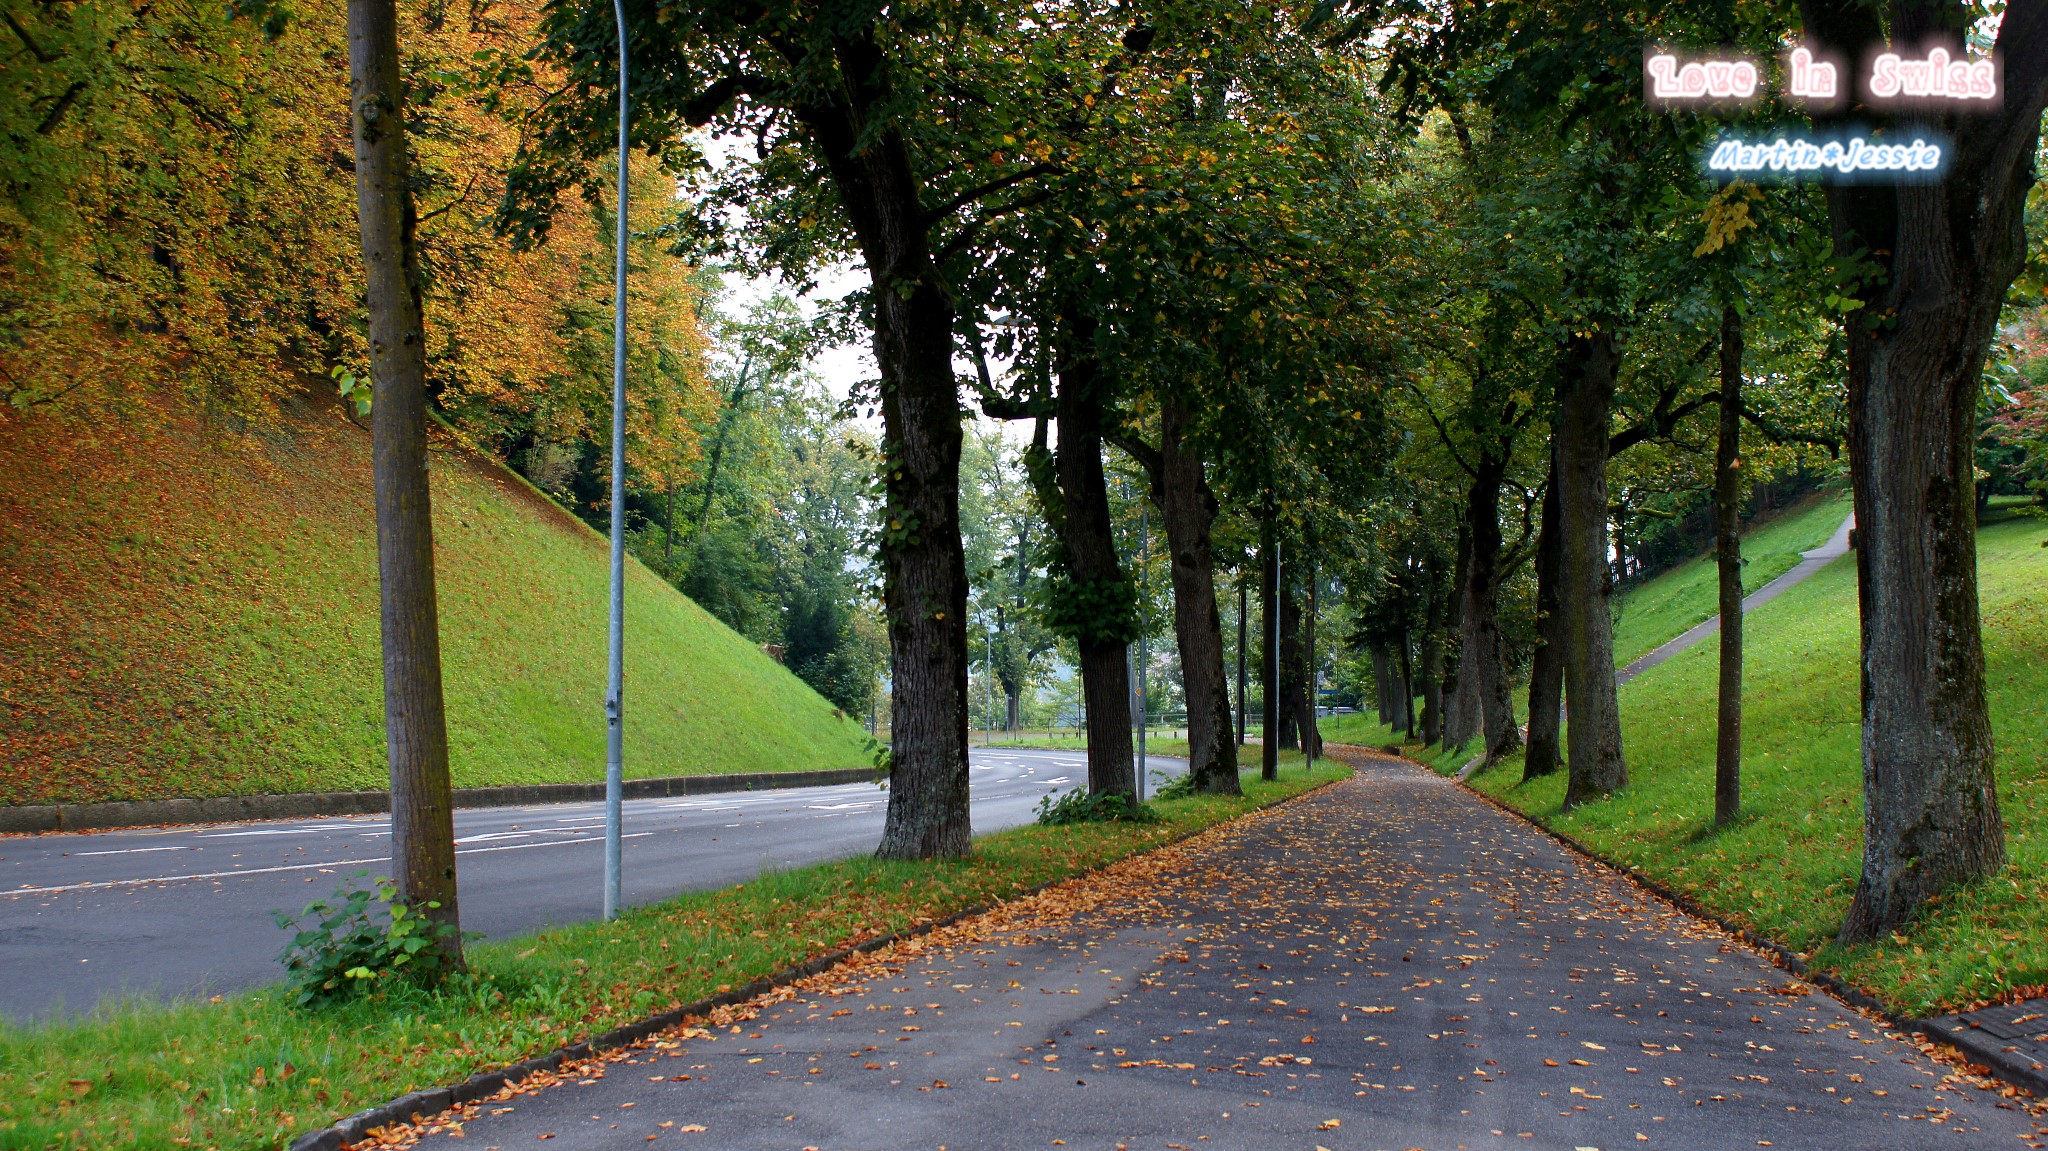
x,y
130,851
58,890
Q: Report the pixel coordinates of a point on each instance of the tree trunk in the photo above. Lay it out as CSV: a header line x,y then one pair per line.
x,y
1189,510
1432,655
1269,596
1460,704
415,718
1290,666
1943,254
1382,690
924,568
1407,683
1243,627
1728,557
1090,550
1546,667
1593,758
1305,706
1484,693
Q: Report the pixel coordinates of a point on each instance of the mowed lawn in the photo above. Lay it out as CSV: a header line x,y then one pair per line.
x,y
195,612
1789,868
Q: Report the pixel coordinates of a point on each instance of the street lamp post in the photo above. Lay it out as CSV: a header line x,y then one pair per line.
x,y
614,702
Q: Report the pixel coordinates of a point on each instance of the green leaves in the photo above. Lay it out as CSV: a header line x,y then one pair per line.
x,y
354,389
356,939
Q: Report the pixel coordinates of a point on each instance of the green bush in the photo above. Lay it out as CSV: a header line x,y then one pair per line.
x,y
1178,787
1082,806
356,939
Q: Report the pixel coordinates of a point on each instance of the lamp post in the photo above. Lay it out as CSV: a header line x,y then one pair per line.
x,y
614,703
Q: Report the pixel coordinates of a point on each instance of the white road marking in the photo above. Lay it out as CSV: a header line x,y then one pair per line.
x,y
330,865
130,851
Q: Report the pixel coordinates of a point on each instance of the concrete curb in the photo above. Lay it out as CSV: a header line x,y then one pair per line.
x,y
1973,1048
419,1105
307,805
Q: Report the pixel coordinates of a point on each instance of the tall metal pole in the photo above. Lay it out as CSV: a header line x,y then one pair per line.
x,y
614,703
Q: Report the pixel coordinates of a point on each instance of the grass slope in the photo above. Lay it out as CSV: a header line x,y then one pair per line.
x,y
1669,605
1788,869
195,613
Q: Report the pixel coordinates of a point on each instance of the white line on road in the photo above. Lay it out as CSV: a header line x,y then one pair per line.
x,y
130,851
273,870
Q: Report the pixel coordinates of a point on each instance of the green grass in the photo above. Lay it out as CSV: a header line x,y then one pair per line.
x,y
206,623
1365,729
1672,603
252,1071
1787,870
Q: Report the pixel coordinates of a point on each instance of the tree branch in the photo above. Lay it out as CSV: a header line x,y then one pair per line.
x,y
991,187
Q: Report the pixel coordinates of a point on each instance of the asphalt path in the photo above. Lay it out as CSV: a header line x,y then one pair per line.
x,y
1387,963
186,911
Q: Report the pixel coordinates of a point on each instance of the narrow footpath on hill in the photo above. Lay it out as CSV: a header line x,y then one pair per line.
x,y
1386,963
1809,563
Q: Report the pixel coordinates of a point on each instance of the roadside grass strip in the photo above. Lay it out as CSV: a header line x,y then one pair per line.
x,y
1787,869
254,1071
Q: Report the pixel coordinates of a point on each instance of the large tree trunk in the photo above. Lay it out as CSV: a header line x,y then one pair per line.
x,y
1943,253
415,718
1290,665
1305,702
1432,654
1728,558
1484,693
924,569
1593,759
1090,550
1460,703
1189,509
1546,667
1269,680
1407,673
1382,688
1243,627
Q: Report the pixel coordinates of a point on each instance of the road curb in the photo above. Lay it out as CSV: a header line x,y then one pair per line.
x,y
310,805
1970,1046
415,1106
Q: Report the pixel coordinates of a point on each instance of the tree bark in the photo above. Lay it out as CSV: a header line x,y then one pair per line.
x,y
1407,672
1310,731
1728,557
1291,732
1593,760
415,717
1546,667
1189,509
1460,704
1090,550
1269,597
1243,627
1942,254
1432,655
924,567
1382,691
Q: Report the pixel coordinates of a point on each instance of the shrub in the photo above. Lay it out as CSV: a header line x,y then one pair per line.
x,y
1082,806
1178,787
358,938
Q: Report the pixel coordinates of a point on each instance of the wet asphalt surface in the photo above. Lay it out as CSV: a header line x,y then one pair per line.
x,y
186,911
1388,963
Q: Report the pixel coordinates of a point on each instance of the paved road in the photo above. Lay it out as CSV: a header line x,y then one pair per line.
x,y
1389,963
186,910
1809,563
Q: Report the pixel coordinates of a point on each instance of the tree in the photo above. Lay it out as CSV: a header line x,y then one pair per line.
x,y
1927,266
415,721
